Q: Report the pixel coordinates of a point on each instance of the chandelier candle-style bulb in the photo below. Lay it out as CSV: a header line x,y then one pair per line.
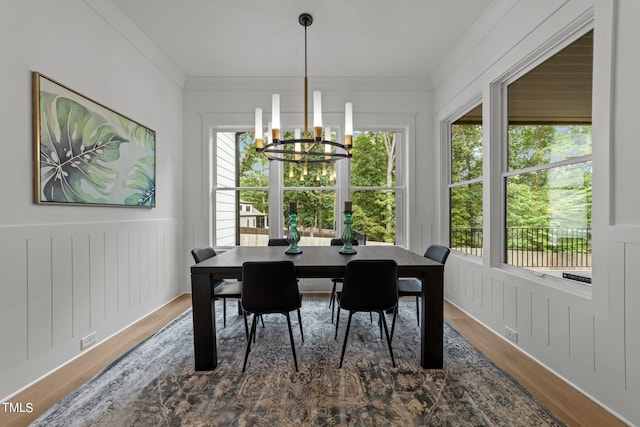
x,y
327,147
348,126
275,116
297,148
258,131
317,115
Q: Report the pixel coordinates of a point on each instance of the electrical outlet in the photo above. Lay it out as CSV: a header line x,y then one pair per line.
x,y
88,341
511,334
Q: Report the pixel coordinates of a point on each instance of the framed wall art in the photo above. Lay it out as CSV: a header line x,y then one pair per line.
x,y
87,154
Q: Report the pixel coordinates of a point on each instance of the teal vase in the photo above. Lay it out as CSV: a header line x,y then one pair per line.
x,y
292,236
347,234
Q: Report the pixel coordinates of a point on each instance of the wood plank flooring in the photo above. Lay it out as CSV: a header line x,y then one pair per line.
x,y
565,401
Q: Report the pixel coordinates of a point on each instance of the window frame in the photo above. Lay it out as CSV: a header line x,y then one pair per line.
x,y
500,131
448,123
342,187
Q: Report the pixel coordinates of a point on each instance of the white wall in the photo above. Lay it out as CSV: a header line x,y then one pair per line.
x,y
68,271
589,338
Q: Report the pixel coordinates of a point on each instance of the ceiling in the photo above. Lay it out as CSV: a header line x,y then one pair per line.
x,y
348,38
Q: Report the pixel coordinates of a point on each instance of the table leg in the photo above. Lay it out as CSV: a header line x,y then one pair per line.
x,y
432,320
204,323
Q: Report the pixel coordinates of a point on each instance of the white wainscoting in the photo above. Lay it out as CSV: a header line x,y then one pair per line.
x,y
593,344
60,283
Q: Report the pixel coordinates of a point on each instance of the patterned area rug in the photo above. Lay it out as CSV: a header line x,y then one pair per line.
x,y
155,383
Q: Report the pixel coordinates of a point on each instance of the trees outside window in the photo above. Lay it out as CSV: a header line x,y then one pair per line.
x,y
241,191
548,171
465,183
374,189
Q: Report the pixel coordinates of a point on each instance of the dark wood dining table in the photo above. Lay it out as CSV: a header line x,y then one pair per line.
x,y
316,262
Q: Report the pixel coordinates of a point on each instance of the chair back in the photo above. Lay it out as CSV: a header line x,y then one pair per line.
x,y
437,253
339,242
360,237
370,285
269,287
202,253
278,242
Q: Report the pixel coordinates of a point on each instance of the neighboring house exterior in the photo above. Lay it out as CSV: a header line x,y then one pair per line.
x,y
251,217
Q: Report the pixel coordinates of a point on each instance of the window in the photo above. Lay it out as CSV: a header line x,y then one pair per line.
x,y
374,186
465,183
241,191
548,165
313,188
245,184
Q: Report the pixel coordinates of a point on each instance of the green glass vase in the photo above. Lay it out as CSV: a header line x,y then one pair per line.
x,y
292,236
347,234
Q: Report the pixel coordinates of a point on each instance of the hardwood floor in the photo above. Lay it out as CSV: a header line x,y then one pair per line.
x,y
54,387
566,402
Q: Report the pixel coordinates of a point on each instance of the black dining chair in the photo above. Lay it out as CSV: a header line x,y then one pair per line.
x,y
270,287
369,286
279,241
222,289
337,280
412,286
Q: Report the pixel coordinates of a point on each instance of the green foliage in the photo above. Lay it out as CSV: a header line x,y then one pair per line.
x,y
466,152
253,171
541,202
466,200
373,165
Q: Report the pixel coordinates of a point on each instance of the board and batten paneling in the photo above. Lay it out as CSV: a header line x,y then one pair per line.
x,y
64,282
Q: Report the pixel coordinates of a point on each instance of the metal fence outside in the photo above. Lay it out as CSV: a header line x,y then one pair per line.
x,y
533,247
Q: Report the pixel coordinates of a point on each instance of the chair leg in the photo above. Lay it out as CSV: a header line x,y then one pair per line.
x,y
418,309
300,323
293,346
379,324
224,312
253,331
246,327
337,323
333,295
393,323
386,331
332,300
346,335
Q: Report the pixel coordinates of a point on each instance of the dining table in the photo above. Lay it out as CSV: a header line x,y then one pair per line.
x,y
316,262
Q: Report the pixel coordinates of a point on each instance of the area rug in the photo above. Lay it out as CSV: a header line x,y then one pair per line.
x,y
155,383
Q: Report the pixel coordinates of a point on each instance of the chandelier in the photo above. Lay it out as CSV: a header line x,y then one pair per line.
x,y
304,148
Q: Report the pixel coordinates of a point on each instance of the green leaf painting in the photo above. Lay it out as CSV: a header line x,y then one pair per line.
x,y
89,154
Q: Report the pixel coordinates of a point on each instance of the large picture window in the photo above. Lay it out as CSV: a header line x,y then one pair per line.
x,y
371,179
548,165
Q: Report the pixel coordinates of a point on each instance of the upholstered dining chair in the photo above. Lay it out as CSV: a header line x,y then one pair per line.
x,y
337,280
270,287
412,286
222,289
369,286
